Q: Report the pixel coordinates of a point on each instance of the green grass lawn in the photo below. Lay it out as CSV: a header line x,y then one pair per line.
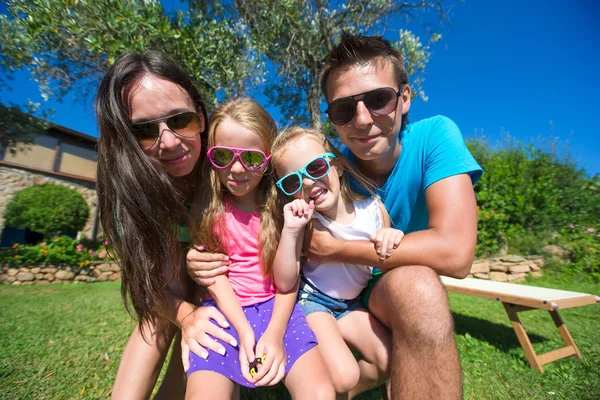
x,y
65,341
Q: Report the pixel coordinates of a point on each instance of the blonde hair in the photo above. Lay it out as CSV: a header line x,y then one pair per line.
x,y
208,210
277,199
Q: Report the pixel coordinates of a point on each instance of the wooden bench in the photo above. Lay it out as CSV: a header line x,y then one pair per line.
x,y
518,298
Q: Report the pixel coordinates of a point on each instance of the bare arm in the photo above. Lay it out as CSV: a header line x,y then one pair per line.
x,y
224,297
282,309
286,265
447,245
271,342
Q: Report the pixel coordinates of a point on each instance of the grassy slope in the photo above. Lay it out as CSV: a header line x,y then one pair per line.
x,y
64,341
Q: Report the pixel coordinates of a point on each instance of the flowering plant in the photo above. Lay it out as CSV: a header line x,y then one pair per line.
x,y
59,250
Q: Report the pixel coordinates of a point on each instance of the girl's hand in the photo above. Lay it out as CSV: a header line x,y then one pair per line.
x,y
386,240
273,369
195,331
247,342
297,213
203,266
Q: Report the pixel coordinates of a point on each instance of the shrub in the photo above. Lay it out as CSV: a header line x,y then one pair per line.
x,y
51,210
491,234
526,194
583,244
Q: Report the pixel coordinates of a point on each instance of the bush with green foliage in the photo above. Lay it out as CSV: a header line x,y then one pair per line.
x,y
51,210
528,198
60,250
583,245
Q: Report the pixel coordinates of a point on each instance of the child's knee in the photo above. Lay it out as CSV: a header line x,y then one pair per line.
x,y
345,377
321,390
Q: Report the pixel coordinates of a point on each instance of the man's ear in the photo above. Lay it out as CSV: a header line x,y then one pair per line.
x,y
405,99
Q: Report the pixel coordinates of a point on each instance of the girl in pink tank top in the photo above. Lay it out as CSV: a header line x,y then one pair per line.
x,y
233,215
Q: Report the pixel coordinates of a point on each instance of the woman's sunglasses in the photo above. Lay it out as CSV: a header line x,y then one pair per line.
x,y
380,101
315,169
222,157
185,125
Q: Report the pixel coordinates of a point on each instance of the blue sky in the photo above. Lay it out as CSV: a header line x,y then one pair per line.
x,y
526,68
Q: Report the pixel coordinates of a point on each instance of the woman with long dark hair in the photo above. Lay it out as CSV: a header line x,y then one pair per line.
x,y
153,126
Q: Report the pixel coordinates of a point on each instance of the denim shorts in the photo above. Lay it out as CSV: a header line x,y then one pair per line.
x,y
312,300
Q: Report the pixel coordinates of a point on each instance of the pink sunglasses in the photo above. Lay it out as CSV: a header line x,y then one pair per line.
x,y
222,157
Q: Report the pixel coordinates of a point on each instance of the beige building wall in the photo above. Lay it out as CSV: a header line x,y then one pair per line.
x,y
77,160
40,154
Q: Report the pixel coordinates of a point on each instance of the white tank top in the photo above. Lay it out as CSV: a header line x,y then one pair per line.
x,y
342,280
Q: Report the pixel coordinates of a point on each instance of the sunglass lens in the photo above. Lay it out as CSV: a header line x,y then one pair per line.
x,y
291,184
318,168
221,157
253,160
342,111
185,124
381,101
146,133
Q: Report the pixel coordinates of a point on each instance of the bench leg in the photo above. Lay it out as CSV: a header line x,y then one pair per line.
x,y
536,361
512,310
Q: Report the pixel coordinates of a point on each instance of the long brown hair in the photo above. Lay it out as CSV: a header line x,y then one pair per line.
x,y
277,199
208,211
140,207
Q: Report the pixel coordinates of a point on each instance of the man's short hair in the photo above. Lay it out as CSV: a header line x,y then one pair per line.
x,y
359,50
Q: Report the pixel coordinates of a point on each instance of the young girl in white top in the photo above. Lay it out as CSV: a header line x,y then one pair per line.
x,y
311,171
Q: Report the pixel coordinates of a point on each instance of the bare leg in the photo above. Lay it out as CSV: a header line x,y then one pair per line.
x,y
308,378
412,303
141,364
173,383
209,385
363,332
339,360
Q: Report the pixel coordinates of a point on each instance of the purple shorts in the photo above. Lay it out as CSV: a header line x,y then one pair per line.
x,y
299,338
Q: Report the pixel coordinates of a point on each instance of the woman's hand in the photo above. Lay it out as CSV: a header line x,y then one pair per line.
x,y
197,333
247,342
297,213
203,266
273,369
386,240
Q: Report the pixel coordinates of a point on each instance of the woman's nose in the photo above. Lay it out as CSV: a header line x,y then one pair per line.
x,y
168,139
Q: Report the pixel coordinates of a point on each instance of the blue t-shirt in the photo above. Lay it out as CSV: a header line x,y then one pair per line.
x,y
432,149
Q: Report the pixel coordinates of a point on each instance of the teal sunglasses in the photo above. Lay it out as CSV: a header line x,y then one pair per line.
x,y
315,169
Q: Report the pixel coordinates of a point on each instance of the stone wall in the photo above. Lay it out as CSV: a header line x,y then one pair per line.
x,y
16,179
47,274
510,268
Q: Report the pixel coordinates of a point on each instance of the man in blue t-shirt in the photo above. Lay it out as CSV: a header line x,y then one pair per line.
x,y
425,174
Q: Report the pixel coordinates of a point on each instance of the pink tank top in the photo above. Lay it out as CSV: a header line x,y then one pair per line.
x,y
244,272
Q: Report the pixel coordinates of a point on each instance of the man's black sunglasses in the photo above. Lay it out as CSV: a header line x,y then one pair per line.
x,y
380,101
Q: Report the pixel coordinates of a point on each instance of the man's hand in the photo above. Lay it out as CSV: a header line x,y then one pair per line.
x,y
197,333
203,266
319,246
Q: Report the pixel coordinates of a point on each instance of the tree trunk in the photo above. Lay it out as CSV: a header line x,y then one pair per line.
x,y
313,100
